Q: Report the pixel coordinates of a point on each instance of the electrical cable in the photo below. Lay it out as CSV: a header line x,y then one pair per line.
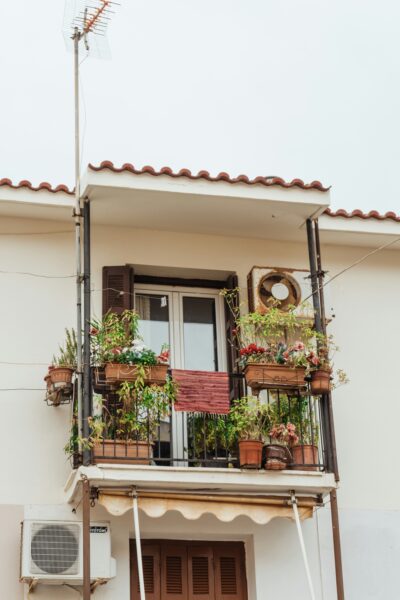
x,y
37,275
37,232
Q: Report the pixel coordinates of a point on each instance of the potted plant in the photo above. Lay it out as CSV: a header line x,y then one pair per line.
x,y
304,448
249,418
117,345
63,366
277,455
320,368
273,345
129,432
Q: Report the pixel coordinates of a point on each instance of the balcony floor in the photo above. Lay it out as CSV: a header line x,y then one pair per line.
x,y
205,480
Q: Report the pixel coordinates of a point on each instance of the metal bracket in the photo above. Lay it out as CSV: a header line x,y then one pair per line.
x,y
96,584
32,583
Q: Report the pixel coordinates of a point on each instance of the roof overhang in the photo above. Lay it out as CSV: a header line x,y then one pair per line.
x,y
201,206
371,233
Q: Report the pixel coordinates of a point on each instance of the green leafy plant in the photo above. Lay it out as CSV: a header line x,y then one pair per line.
x,y
67,353
115,338
249,419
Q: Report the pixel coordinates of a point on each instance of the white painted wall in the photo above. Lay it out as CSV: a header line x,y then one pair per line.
x,y
34,312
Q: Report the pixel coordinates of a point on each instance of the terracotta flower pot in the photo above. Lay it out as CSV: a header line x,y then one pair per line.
x,y
60,376
305,454
250,454
127,452
271,376
277,457
320,382
116,372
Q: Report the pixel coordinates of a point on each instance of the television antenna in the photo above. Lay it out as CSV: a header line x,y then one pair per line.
x,y
85,28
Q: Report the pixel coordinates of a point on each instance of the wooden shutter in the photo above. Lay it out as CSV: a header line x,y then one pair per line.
x,y
200,572
230,573
236,384
174,571
117,289
151,571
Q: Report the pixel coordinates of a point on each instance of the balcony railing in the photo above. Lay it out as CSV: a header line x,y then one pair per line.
x,y
202,440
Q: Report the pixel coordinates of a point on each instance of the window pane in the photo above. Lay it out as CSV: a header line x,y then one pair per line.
x,y
200,335
154,319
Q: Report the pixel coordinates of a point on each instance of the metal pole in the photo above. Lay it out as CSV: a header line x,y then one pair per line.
x,y
302,546
77,218
87,384
333,496
314,276
138,547
86,538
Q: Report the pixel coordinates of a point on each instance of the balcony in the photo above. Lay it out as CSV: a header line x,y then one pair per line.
x,y
186,450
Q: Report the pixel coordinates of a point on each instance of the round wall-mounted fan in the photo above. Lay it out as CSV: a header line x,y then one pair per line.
x,y
279,289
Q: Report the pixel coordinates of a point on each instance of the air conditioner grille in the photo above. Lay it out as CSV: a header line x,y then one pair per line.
x,y
55,549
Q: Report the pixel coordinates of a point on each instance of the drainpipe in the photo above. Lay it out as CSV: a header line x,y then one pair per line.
x,y
87,384
317,275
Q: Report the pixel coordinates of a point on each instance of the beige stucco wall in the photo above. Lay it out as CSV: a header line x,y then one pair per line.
x,y
34,312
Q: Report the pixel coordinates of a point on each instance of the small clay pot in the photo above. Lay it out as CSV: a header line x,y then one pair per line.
x,y
320,382
250,454
305,454
277,457
60,376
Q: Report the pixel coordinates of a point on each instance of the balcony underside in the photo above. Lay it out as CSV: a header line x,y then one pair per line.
x,y
207,481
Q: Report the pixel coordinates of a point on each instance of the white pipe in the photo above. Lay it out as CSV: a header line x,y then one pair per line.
x,y
138,548
302,546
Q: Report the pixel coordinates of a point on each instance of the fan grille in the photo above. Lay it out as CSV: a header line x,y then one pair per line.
x,y
283,282
55,549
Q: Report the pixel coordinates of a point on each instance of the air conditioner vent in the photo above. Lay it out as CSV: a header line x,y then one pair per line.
x,y
55,549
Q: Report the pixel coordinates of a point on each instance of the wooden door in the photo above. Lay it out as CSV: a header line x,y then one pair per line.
x,y
181,570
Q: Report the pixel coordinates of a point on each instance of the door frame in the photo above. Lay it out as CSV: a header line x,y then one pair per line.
x,y
176,295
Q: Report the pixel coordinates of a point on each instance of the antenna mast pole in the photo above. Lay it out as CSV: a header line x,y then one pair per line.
x,y
78,238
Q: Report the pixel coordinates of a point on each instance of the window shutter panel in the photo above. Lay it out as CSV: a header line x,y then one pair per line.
x,y
236,384
117,289
200,573
151,571
230,572
174,571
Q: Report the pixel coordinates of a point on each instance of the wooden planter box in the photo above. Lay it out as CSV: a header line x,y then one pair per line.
x,y
122,451
115,373
261,376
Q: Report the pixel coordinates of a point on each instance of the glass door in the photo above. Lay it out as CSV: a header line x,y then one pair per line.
x,y
191,322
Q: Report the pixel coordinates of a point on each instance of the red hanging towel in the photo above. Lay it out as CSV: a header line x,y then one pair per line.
x,y
202,391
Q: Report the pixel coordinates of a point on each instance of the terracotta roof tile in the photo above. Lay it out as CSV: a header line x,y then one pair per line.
x,y
357,213
42,186
267,181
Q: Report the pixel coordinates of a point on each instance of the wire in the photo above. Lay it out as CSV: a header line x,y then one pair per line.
x,y
27,364
37,275
352,265
22,389
37,232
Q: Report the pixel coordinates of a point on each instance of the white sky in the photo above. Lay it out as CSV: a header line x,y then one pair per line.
x,y
295,88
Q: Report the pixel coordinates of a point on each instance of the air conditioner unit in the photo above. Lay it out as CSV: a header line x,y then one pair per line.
x,y
51,552
280,287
